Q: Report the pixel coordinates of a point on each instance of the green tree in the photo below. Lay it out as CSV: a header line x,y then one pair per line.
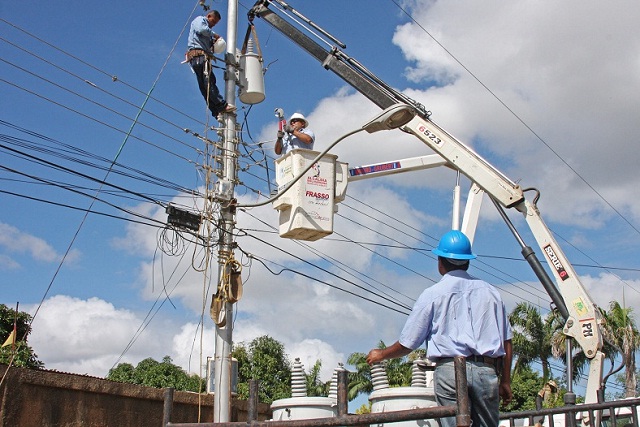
x,y
263,359
359,382
532,337
22,354
525,385
620,330
123,373
152,373
315,386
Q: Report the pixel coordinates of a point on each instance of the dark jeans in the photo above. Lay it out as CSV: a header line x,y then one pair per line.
x,y
207,84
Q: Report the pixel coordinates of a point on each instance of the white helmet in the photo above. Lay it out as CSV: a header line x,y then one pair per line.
x,y
299,116
220,45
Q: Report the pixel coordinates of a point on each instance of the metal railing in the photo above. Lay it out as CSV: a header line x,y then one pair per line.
x,y
462,411
609,413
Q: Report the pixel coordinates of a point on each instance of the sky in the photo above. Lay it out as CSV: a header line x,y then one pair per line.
x,y
544,91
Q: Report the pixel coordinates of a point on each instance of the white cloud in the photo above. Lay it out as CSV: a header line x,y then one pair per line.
x,y
89,336
15,241
311,350
570,84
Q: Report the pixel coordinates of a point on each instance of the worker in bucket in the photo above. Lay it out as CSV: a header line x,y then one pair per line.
x,y
460,316
203,42
295,134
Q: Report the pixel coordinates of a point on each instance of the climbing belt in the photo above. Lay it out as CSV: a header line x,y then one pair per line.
x,y
229,290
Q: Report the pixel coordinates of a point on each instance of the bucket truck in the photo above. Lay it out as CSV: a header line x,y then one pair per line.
x,y
582,319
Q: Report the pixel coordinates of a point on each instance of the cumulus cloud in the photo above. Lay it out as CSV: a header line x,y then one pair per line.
x,y
15,241
90,335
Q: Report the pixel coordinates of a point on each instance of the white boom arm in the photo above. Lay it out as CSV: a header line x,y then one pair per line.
x,y
583,319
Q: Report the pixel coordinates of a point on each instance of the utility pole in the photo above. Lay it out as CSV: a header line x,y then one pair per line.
x,y
226,224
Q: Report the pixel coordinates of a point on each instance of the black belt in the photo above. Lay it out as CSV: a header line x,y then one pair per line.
x,y
493,361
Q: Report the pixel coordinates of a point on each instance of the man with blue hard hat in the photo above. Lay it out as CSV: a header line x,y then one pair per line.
x,y
460,316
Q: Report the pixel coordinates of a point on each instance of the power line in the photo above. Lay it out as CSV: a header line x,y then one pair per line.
x,y
518,118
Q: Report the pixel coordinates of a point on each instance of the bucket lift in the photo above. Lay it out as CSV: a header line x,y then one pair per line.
x,y
582,320
307,208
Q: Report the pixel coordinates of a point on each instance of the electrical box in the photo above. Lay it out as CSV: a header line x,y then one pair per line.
x,y
211,377
307,208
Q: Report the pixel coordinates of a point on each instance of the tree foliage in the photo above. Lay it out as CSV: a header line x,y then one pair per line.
x,y
152,373
22,354
525,385
619,329
263,359
398,372
315,386
533,336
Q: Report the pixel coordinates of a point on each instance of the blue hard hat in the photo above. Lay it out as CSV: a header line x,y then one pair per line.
x,y
454,245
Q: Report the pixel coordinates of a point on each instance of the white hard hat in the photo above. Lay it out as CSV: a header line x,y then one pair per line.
x,y
220,45
299,116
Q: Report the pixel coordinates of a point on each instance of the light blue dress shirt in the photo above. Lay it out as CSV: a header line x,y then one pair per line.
x,y
200,35
458,316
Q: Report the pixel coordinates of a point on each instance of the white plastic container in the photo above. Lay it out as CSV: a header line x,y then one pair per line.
x,y
307,208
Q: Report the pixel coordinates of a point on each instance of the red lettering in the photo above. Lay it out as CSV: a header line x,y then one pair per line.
x,y
317,195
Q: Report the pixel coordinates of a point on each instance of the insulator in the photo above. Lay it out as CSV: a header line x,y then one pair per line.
x,y
379,377
298,381
418,376
333,386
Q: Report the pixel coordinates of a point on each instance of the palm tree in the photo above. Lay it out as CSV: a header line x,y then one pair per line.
x,y
532,336
360,380
620,330
315,387
398,371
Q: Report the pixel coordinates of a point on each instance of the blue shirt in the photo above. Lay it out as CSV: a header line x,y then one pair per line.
x,y
200,35
458,316
289,142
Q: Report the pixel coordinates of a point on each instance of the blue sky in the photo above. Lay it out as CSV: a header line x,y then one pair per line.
x,y
544,91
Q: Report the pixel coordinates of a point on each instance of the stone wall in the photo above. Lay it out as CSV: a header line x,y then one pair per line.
x,y
54,399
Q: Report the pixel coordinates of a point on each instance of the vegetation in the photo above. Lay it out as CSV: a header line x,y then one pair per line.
x,y
22,354
263,359
621,333
152,373
315,386
398,372
525,385
532,337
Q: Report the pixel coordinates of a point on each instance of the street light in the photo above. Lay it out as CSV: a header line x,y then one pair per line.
x,y
391,118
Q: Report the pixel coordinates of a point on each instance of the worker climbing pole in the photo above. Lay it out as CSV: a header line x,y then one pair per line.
x,y
202,43
218,217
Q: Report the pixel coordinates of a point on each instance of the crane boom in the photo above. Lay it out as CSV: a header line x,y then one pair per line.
x,y
582,319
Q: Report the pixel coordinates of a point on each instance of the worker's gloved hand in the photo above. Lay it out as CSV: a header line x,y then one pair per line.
x,y
280,134
288,128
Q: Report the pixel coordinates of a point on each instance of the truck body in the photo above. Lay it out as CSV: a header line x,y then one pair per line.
x,y
582,319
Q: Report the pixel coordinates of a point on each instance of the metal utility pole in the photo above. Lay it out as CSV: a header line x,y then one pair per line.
x,y
226,223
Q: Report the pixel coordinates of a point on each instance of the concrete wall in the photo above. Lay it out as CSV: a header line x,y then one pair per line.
x,y
55,399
